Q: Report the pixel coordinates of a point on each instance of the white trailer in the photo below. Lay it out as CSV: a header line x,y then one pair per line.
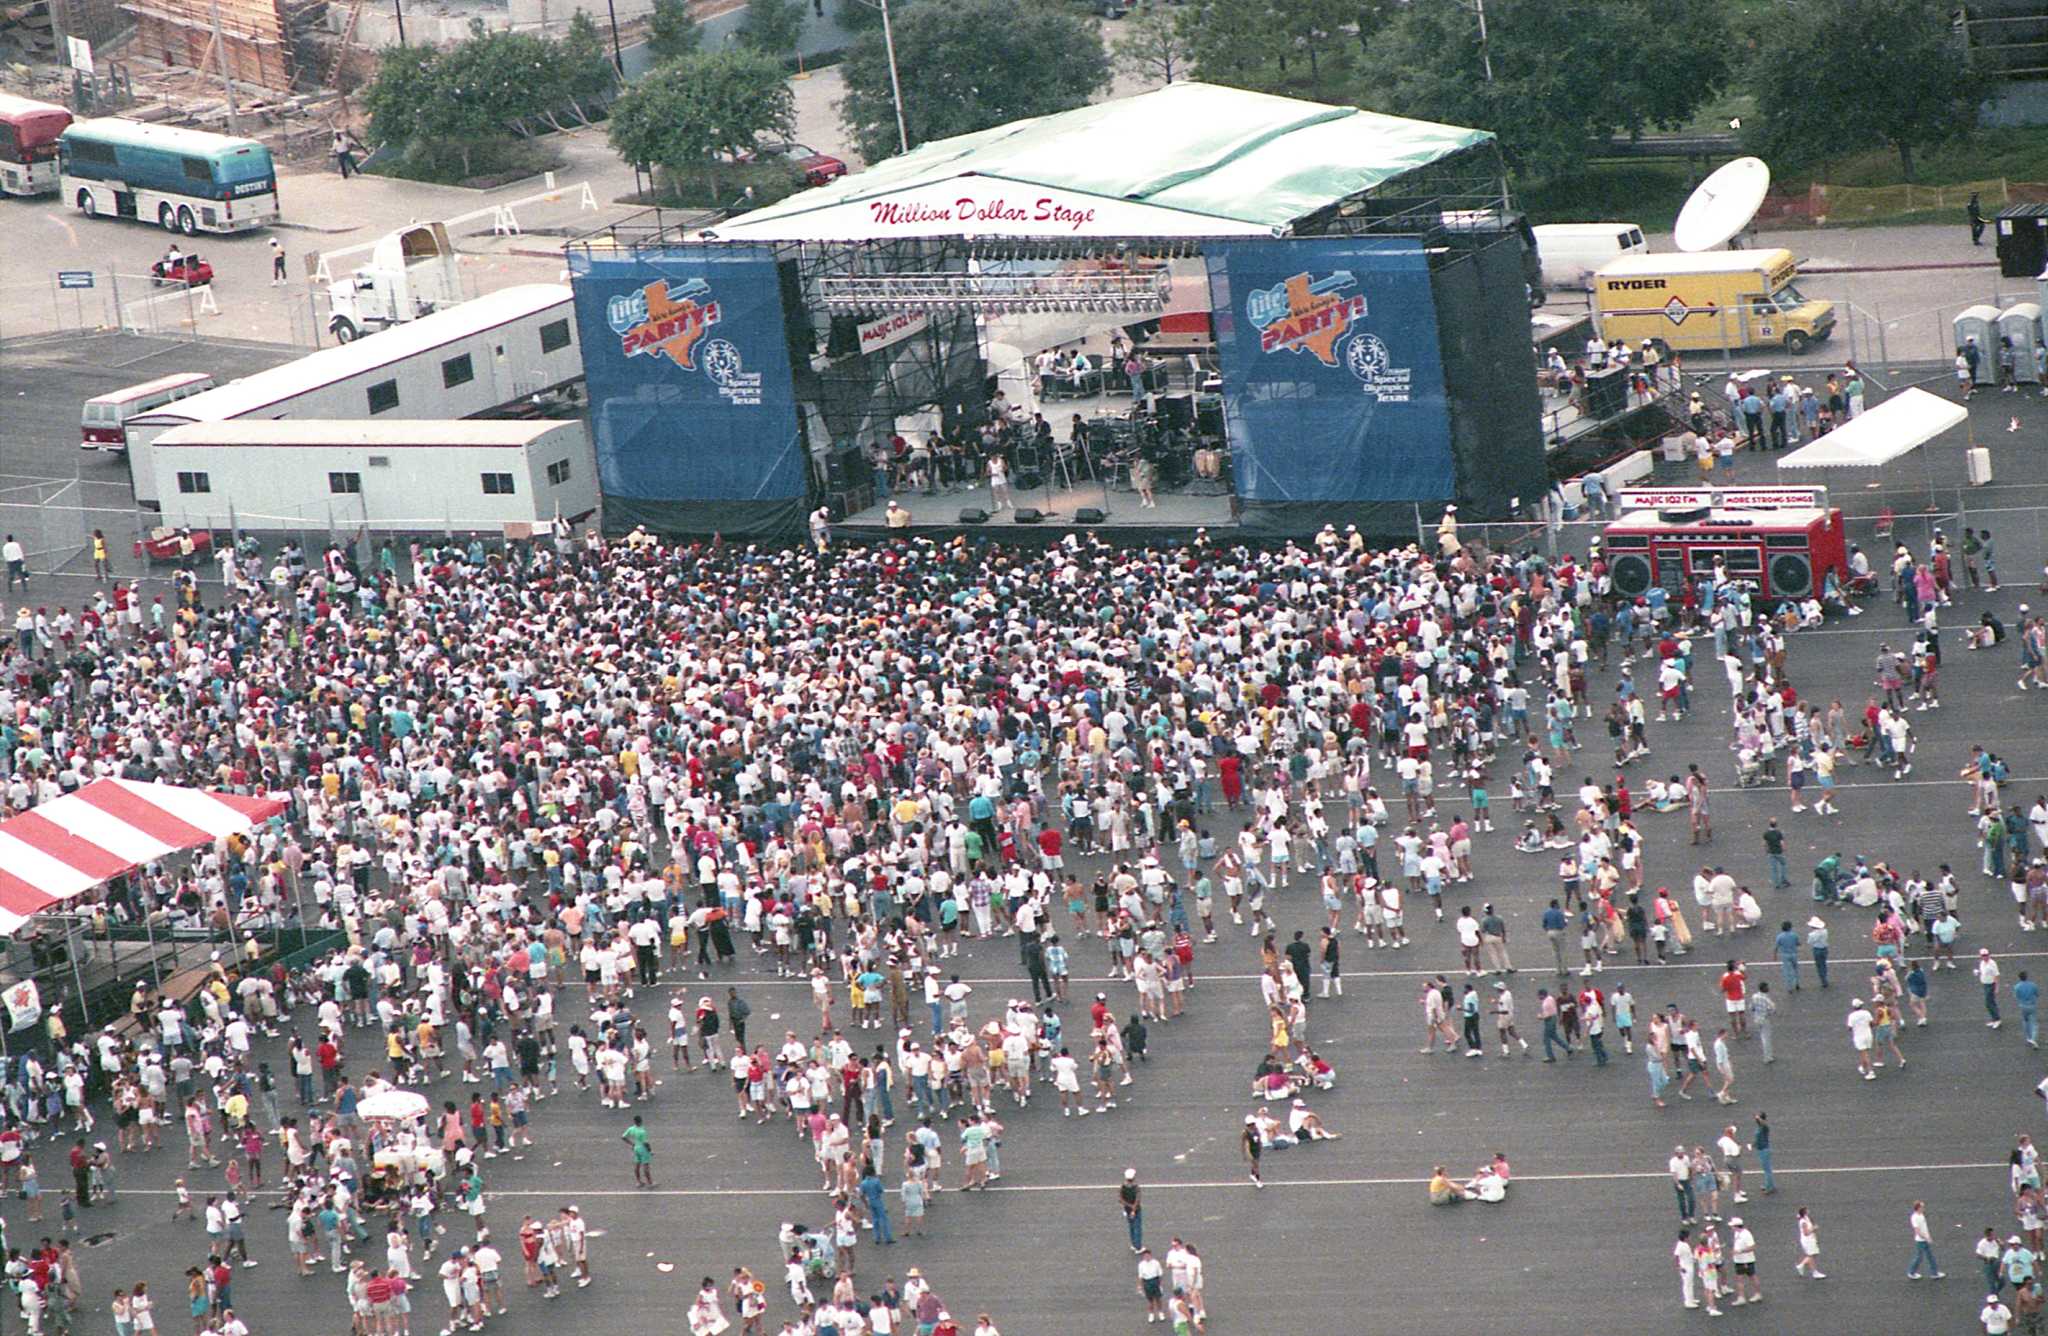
x,y
471,476
482,357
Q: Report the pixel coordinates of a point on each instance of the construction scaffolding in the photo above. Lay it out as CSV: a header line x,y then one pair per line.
x,y
994,293
244,41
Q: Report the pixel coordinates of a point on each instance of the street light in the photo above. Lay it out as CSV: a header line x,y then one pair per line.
x,y
618,58
1485,55
895,84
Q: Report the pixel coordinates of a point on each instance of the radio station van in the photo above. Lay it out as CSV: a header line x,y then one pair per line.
x,y
1708,300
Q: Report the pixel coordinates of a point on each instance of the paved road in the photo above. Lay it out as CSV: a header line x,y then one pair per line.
x,y
323,214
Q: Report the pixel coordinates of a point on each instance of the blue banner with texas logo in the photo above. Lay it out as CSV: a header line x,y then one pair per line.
x,y
692,405
1333,382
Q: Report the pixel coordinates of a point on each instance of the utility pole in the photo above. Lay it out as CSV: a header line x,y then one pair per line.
x,y
398,11
618,57
1485,56
220,51
895,85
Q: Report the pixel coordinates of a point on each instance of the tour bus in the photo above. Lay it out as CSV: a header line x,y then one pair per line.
x,y
182,180
28,144
103,424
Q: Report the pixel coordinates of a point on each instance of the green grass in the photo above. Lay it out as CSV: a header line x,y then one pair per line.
x,y
1651,193
2015,154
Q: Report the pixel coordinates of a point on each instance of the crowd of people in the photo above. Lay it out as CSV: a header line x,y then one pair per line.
x,y
617,764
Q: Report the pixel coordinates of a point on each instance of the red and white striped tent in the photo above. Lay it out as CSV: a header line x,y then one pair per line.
x,y
64,848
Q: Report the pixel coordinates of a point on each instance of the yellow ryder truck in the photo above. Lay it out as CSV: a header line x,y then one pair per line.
x,y
1708,300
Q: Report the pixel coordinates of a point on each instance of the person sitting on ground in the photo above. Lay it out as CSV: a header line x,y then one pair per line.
x,y
1987,632
1273,1134
1489,1184
1663,796
1530,841
1444,1190
1272,1081
1320,1073
1307,1126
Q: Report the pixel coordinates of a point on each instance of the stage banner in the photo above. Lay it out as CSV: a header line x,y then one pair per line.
x,y
1333,382
691,399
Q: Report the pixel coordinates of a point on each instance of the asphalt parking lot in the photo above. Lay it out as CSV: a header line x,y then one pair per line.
x,y
1341,1238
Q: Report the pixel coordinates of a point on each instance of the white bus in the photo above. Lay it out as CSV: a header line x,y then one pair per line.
x,y
477,359
103,424
182,180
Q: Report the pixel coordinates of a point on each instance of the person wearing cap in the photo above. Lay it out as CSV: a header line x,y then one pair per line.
x,y
1746,1288
1861,1036
1995,1316
2017,1263
1127,1197
1305,1125
1250,1145
1817,947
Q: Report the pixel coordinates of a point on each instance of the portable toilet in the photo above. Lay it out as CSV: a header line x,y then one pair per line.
x,y
1979,324
2022,325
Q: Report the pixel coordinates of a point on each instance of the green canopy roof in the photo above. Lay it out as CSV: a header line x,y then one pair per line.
x,y
1199,148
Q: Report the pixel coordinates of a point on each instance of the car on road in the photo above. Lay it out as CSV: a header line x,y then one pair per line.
x,y
188,272
817,168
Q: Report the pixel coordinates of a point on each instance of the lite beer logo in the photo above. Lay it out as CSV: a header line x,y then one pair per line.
x,y
660,323
1306,315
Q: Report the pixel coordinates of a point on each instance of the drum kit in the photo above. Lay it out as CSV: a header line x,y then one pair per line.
x,y
1183,441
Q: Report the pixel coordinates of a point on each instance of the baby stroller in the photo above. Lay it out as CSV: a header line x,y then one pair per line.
x,y
1749,768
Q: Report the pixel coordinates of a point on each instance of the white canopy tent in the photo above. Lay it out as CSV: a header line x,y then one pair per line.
x,y
1898,426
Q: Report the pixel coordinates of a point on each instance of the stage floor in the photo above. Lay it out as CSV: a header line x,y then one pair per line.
x,y
1177,512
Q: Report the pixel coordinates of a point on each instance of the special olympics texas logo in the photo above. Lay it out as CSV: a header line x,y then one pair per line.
x,y
1303,314
658,322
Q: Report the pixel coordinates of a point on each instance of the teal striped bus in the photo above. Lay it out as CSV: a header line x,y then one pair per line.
x,y
187,181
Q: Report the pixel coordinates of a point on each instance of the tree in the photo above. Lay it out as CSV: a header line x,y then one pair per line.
x,y
673,31
1900,81
702,109
1157,45
1233,41
587,72
861,15
423,95
976,63
772,26
1310,27
1565,77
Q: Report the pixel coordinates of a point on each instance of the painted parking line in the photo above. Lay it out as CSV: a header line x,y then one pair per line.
x,y
1204,1185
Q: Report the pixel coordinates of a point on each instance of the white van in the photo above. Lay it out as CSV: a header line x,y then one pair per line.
x,y
1572,252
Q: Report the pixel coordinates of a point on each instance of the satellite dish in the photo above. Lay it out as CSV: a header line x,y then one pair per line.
x,y
1722,205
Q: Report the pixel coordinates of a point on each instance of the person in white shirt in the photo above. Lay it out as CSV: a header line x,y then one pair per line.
x,y
1987,978
1859,1023
1923,1244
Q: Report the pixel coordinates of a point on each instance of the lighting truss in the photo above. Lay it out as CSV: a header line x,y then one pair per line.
x,y
1031,249
997,293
